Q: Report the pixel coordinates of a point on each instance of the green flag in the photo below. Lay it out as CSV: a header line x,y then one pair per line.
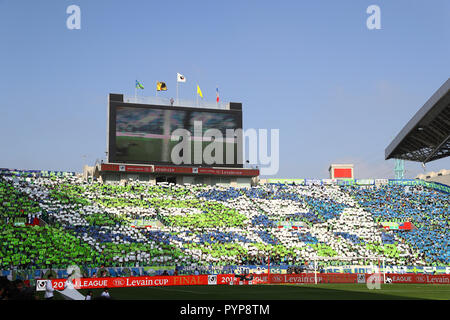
x,y
139,85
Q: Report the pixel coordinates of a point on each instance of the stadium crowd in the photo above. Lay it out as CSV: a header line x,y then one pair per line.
x,y
91,224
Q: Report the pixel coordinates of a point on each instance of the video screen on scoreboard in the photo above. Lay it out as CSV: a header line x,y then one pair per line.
x,y
170,135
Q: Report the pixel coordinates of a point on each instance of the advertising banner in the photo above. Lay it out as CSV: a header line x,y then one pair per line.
x,y
41,173
418,278
361,278
129,282
365,181
390,225
310,182
311,278
229,172
212,280
139,223
232,279
346,182
125,168
329,181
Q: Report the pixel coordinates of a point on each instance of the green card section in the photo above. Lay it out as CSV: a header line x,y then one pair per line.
x,y
43,246
13,203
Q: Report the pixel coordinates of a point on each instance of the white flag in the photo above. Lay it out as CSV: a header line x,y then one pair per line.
x,y
180,78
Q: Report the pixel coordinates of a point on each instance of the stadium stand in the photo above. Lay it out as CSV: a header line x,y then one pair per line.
x,y
71,221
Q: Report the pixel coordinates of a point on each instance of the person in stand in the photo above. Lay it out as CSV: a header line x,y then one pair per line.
x,y
89,296
105,294
49,288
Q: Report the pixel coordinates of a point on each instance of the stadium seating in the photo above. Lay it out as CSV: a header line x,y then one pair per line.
x,y
89,224
427,210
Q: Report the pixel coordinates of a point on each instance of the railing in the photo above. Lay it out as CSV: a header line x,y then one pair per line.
x,y
177,102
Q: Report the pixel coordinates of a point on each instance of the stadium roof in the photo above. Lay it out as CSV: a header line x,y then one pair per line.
x,y
426,137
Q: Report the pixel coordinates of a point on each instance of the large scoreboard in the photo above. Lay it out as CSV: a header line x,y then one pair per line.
x,y
163,134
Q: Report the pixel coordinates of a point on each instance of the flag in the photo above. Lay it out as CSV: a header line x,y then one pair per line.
x,y
139,85
161,86
180,78
199,92
217,95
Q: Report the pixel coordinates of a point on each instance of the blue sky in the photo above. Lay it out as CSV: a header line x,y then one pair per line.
x,y
338,92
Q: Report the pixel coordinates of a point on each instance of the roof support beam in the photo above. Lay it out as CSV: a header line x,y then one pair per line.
x,y
436,149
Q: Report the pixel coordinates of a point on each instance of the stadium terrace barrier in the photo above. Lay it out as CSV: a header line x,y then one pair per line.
x,y
340,182
349,182
37,173
231,279
217,270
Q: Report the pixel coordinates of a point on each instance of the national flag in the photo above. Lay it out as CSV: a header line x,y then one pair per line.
x,y
139,85
199,92
217,95
180,78
161,86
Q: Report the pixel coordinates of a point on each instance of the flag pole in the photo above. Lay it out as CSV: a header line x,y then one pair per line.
x,y
177,90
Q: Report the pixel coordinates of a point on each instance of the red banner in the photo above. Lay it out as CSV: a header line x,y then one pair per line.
x,y
336,278
210,171
164,169
179,170
125,168
157,281
419,278
311,278
229,172
231,279
343,173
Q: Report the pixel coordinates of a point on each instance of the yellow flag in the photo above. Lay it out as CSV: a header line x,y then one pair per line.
x,y
161,86
199,92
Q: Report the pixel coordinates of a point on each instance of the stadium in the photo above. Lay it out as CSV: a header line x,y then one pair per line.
x,y
178,209
128,231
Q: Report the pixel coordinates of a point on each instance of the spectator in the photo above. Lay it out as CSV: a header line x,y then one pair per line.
x,y
89,295
105,294
49,288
